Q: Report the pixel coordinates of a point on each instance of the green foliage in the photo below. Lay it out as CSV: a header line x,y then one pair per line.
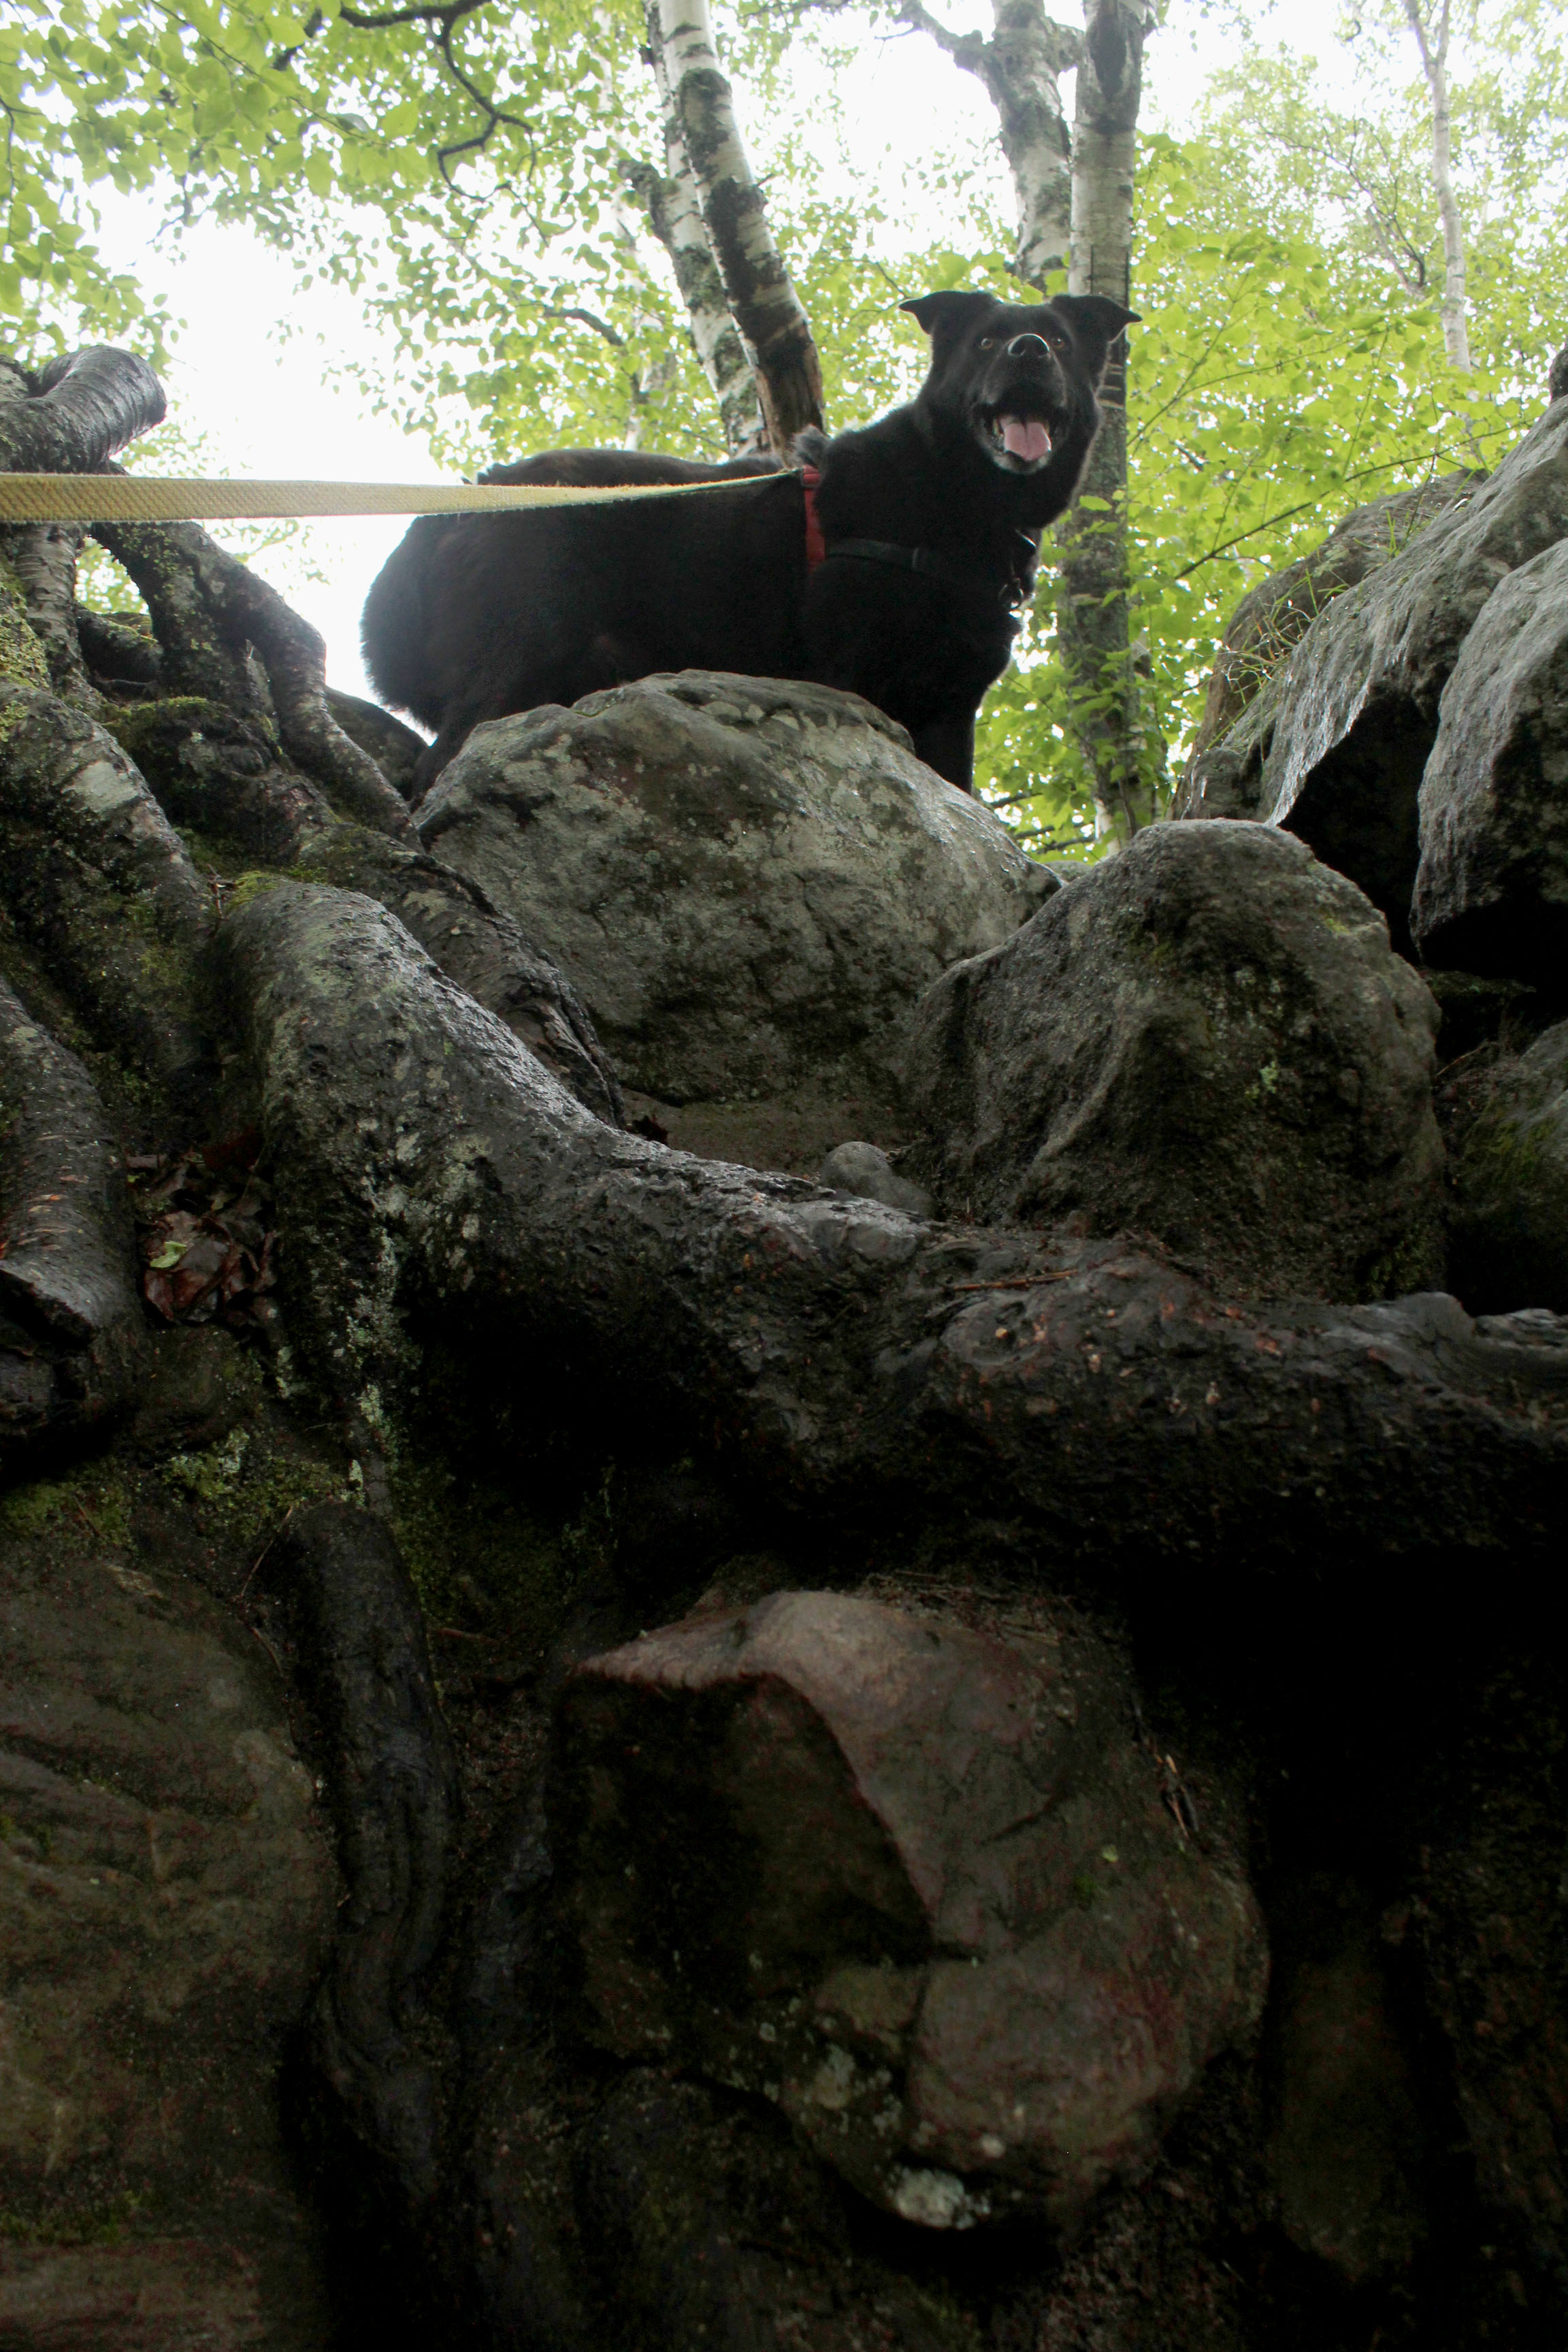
x,y
1289,365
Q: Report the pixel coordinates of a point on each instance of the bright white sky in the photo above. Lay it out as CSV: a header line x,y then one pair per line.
x,y
261,398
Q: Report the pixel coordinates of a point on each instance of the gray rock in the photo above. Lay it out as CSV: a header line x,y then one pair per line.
x,y
915,1880
1224,775
1491,892
1348,2153
749,881
167,1889
1358,703
1207,1038
1506,1120
861,1168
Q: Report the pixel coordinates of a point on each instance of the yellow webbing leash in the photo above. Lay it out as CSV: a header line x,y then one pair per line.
x,y
145,498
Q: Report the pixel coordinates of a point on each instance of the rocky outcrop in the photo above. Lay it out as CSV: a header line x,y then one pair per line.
x,y
917,1881
1207,1038
1491,891
1224,774
1506,1120
1358,701
748,882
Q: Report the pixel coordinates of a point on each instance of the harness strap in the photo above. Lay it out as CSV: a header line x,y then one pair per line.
x,y
815,545
887,551
931,566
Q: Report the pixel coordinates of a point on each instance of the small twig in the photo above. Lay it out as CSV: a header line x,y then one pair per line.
x,y
270,1652
265,1547
88,1520
1010,1282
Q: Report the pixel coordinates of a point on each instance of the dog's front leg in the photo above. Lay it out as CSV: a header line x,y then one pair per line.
x,y
948,746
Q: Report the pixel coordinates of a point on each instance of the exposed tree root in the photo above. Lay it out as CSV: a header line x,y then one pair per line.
x,y
843,1353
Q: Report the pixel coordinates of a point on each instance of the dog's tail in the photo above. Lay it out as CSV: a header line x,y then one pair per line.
x,y
393,629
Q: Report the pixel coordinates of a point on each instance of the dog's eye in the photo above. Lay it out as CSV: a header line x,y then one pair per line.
x,y
987,343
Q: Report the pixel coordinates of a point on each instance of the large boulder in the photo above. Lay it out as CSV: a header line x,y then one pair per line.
x,y
1207,1038
919,1881
749,881
1224,774
1491,892
1506,1120
1358,704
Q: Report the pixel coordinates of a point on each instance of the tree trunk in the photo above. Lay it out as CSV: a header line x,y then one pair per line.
x,y
1434,65
674,209
757,286
1093,613
73,416
1021,68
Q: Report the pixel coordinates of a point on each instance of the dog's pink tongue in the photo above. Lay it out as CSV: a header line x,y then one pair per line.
x,y
1023,437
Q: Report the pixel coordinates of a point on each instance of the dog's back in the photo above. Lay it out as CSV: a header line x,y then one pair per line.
x,y
601,469
473,616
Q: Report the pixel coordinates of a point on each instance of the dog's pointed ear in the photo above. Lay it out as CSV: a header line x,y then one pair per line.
x,y
1096,317
945,313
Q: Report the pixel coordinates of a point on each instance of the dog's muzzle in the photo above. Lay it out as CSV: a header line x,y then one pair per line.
x,y
1018,437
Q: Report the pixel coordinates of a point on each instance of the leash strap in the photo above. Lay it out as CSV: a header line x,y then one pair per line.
x,y
147,498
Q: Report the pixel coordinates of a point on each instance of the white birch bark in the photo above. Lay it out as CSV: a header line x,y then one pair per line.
x,y
1434,48
674,209
757,286
1021,67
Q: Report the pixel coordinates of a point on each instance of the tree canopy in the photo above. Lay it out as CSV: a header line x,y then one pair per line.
x,y
470,175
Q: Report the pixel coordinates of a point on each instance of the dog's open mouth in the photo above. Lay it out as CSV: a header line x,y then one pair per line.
x,y
1019,443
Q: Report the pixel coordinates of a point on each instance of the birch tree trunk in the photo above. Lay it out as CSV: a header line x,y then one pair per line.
x,y
1434,48
674,208
1021,68
758,289
1093,616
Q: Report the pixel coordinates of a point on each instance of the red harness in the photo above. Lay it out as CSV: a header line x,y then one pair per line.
x,y
815,546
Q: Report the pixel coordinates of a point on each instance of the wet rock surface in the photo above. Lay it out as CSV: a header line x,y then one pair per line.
x,y
1491,891
1209,1039
166,1896
1505,1118
1224,775
914,1881
1358,703
748,882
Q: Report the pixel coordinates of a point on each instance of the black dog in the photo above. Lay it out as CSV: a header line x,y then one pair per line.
x,y
930,519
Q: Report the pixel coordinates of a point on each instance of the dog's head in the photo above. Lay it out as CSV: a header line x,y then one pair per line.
x,y
1018,374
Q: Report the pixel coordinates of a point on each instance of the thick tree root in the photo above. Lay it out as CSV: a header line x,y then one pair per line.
x,y
98,882
483,951
221,777
42,559
78,411
69,1309
366,1667
209,612
844,1353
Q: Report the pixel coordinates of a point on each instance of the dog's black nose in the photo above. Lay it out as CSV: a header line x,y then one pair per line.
x,y
1024,347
